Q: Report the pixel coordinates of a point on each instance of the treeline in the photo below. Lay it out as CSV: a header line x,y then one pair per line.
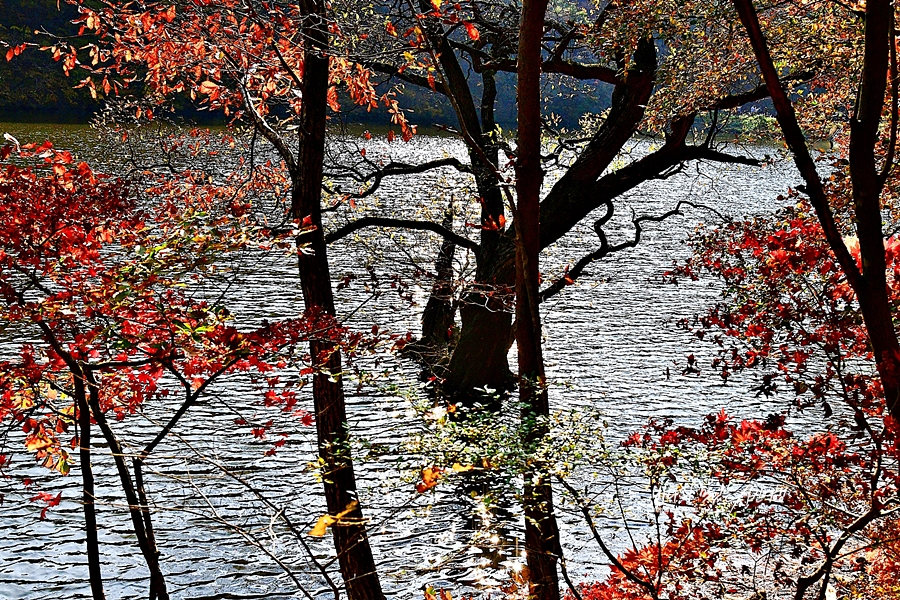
x,y
33,87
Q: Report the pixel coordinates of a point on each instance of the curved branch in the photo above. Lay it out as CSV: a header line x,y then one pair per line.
x,y
394,169
393,71
573,69
402,224
605,249
566,205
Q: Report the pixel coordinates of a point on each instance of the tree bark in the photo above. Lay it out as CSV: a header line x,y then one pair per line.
x,y
351,542
542,547
479,359
87,487
437,318
138,510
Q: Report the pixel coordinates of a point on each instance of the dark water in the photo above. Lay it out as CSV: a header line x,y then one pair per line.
x,y
609,341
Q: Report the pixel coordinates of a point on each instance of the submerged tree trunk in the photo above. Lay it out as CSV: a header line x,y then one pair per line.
x,y
438,316
351,542
542,547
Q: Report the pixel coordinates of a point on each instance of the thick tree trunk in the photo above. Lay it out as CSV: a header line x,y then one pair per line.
x,y
87,487
542,547
351,542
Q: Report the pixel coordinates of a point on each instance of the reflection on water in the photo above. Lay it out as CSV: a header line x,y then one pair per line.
x,y
610,346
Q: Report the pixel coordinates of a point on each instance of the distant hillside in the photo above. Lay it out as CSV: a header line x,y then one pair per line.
x,y
33,86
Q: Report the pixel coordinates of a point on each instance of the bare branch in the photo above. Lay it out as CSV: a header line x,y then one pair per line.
x,y
401,224
605,249
393,169
585,511
758,93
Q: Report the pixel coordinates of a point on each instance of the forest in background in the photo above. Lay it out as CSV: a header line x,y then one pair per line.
x,y
33,88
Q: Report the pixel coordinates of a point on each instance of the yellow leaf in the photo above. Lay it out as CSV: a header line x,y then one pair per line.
x,y
326,520
461,468
322,525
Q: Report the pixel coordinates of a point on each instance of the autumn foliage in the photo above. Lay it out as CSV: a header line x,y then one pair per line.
x,y
106,287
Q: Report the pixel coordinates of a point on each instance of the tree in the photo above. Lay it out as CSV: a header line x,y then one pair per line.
x,y
105,283
642,50
272,65
542,545
803,298
867,145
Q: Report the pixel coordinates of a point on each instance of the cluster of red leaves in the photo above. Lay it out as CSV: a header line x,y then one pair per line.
x,y
785,503
788,304
231,55
100,285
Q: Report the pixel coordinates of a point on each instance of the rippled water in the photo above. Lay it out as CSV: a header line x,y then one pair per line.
x,y
610,341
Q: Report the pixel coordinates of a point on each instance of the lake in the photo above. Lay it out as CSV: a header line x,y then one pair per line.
x,y
611,346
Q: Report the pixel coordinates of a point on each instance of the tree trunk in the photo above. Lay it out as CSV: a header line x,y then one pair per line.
x,y
542,548
87,487
137,509
869,284
867,186
351,542
438,316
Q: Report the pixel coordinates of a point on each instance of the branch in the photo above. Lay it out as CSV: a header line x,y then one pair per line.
x,y
566,205
394,169
605,249
557,65
583,506
761,91
190,400
403,224
389,69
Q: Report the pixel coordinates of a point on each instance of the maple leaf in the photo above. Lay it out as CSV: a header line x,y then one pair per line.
x,y
430,478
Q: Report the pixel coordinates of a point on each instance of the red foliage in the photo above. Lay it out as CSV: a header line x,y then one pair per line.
x,y
104,286
789,306
227,55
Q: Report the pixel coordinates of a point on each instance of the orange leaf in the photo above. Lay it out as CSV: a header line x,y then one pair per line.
x,y
472,31
430,478
208,87
333,103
